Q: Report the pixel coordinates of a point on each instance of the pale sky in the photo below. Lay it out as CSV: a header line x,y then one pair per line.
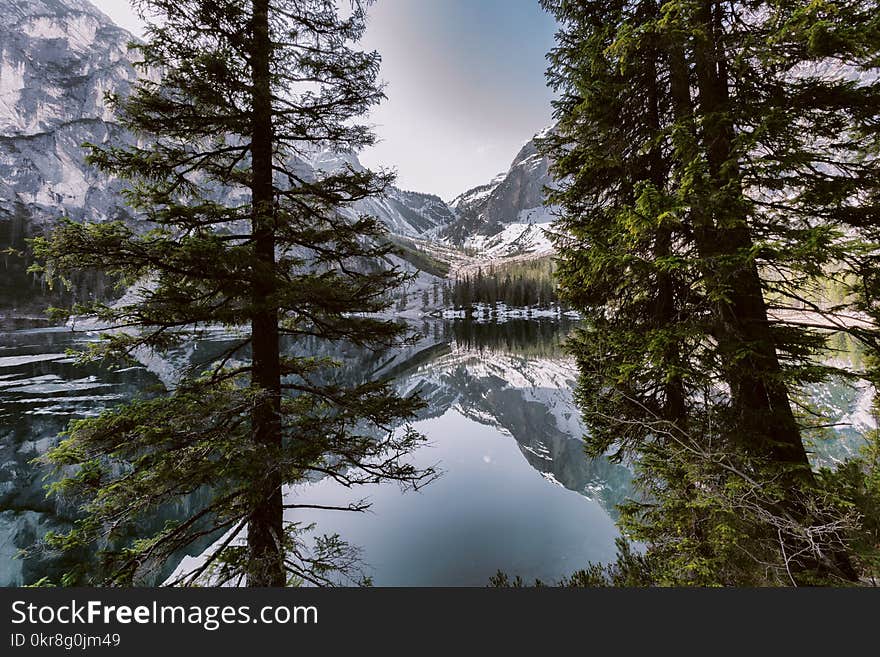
x,y
465,87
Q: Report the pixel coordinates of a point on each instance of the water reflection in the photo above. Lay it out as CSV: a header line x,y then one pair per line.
x,y
517,493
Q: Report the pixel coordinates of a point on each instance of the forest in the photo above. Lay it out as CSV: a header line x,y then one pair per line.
x,y
528,283
716,181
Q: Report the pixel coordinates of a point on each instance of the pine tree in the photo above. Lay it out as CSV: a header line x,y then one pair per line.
x,y
235,97
709,166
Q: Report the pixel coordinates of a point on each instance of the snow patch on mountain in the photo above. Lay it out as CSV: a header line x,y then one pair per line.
x,y
507,216
530,233
462,201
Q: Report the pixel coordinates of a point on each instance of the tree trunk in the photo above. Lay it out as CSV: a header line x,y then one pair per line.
x,y
667,301
760,398
765,421
674,408
265,527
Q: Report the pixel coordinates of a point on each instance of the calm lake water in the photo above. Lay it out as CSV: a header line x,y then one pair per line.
x,y
516,494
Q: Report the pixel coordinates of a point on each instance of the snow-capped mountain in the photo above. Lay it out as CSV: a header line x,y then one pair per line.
x,y
58,58
507,216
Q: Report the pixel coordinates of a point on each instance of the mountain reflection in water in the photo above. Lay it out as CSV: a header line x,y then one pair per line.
x,y
517,493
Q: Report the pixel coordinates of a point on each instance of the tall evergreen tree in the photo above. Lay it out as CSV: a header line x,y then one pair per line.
x,y
236,96
717,167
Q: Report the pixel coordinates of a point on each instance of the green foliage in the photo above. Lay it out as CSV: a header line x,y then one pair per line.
x,y
631,568
501,580
517,284
233,235
720,206
857,484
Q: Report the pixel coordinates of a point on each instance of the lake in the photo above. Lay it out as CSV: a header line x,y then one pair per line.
x,y
517,492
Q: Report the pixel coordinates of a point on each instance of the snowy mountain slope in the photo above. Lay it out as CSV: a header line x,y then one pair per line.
x,y
473,200
58,58
529,234
410,214
507,215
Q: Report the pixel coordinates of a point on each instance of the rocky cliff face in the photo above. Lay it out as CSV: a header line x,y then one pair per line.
x,y
57,60
506,216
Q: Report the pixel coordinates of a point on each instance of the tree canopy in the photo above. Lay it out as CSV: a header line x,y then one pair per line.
x,y
238,230
716,167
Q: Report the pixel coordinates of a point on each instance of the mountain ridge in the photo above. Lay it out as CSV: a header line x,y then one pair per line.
x,y
507,217
58,60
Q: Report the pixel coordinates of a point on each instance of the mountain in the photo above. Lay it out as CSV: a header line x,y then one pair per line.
x,y
58,59
405,213
506,216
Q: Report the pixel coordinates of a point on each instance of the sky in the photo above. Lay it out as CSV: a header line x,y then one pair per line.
x,y
465,86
